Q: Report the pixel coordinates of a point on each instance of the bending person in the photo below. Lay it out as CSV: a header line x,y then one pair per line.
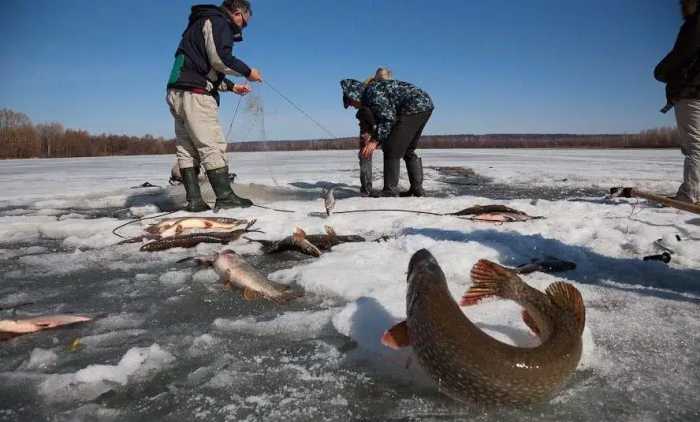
x,y
202,61
680,70
401,111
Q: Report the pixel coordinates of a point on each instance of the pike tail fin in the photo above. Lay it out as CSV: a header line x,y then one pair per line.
x,y
489,279
397,336
287,296
531,324
568,298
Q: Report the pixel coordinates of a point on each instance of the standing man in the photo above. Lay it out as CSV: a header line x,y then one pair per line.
x,y
680,70
401,111
202,61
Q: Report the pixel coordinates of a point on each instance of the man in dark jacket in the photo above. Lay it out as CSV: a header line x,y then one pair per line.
x,y
680,70
401,111
202,61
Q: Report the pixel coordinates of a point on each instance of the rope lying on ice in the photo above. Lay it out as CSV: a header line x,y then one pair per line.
x,y
114,232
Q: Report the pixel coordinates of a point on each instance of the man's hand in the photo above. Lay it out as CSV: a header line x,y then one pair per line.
x,y
255,75
241,89
368,149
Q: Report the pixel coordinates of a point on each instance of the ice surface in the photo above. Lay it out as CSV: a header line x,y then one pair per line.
x,y
216,356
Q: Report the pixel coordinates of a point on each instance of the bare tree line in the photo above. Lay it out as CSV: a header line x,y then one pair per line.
x,y
20,138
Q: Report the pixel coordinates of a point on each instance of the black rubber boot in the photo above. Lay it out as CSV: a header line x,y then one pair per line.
x,y
190,180
365,177
225,197
392,166
414,168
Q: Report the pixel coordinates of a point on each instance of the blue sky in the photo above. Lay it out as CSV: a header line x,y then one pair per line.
x,y
496,66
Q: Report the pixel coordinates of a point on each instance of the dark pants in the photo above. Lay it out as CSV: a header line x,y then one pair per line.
x,y
403,140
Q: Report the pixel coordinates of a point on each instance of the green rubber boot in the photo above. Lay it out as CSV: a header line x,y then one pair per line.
x,y
225,197
195,203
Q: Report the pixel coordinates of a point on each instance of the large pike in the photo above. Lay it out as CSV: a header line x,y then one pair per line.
x,y
236,272
176,226
469,365
312,245
192,240
494,214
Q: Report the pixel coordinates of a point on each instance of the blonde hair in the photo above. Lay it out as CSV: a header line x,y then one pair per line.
x,y
382,74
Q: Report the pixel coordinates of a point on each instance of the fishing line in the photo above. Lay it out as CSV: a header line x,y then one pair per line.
x,y
114,232
273,209
235,115
392,210
293,104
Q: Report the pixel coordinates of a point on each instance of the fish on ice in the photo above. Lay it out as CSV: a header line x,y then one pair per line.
x,y
236,272
469,365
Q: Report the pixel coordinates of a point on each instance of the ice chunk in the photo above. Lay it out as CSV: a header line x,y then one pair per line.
x,y
40,359
138,364
305,324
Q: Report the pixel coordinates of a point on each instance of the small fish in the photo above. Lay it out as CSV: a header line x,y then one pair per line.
x,y
12,328
469,365
236,272
549,264
328,200
488,209
192,240
176,226
319,242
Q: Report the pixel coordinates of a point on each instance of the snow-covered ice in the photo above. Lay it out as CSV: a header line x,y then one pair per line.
x,y
170,342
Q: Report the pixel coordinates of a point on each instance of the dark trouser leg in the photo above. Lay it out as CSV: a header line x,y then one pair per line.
x,y
414,164
190,180
365,176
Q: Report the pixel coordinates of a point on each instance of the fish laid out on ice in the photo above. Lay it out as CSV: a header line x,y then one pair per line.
x,y
175,226
236,272
495,214
312,245
194,239
469,365
14,327
548,264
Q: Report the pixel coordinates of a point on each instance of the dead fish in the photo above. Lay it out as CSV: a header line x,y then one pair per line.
x,y
236,272
175,226
192,240
328,200
318,242
15,327
549,264
469,365
487,209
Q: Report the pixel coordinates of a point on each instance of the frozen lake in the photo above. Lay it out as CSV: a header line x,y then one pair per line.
x,y
171,343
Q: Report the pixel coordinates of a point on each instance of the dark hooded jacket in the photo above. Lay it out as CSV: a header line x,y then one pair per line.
x,y
204,56
680,69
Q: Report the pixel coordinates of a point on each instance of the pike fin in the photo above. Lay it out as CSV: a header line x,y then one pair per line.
x,y
488,279
250,295
567,297
250,224
299,234
330,231
397,336
530,322
287,296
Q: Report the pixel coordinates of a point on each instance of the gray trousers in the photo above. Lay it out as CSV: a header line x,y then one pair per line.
x,y
688,120
200,139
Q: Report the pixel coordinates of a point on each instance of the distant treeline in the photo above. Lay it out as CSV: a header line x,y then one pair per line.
x,y
655,138
20,138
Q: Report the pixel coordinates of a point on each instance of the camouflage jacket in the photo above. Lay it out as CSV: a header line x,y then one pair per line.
x,y
390,99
